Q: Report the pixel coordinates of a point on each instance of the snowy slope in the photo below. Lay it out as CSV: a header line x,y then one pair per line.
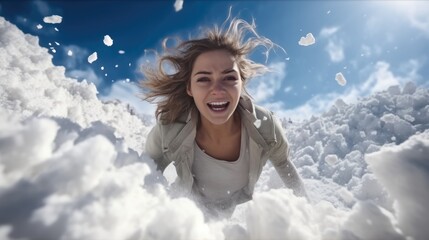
x,y
73,167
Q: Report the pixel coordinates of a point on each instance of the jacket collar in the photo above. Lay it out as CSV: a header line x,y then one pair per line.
x,y
184,135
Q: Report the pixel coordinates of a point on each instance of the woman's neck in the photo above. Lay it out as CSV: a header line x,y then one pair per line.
x,y
216,133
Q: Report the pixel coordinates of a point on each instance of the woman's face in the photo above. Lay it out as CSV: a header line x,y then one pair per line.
x,y
215,85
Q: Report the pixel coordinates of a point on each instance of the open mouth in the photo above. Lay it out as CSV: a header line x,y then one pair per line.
x,y
218,106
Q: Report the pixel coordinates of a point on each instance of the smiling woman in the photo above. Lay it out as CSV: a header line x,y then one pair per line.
x,y
209,127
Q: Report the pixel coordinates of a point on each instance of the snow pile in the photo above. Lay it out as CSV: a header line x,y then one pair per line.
x,y
331,148
404,172
73,167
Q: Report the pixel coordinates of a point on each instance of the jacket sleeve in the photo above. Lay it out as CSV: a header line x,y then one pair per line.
x,y
279,156
154,148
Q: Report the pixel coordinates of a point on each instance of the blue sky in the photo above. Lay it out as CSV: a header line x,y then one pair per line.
x,y
374,44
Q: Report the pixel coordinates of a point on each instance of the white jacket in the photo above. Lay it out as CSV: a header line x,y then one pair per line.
x,y
175,143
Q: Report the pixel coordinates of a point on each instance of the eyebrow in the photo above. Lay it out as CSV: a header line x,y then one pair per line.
x,y
226,71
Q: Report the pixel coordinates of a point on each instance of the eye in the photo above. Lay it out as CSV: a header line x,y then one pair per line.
x,y
203,79
230,78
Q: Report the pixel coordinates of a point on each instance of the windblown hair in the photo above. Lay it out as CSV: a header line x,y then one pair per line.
x,y
169,90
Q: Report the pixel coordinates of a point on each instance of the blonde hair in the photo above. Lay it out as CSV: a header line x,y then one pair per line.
x,y
169,90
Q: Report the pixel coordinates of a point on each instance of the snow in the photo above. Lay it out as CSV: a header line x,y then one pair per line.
x,y
54,19
178,5
93,57
74,167
39,26
121,52
69,53
257,123
307,40
107,40
341,80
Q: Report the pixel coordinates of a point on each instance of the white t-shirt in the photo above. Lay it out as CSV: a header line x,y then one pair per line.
x,y
219,181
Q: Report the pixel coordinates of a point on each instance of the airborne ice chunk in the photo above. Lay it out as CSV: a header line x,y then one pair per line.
x,y
178,5
257,123
54,19
39,26
108,41
340,79
307,40
92,58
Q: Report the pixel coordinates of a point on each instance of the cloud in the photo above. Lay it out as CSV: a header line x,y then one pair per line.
x,y
42,7
417,13
87,74
327,32
379,80
129,93
264,87
335,50
77,59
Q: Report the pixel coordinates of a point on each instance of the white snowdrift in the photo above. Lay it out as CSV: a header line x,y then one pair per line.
x,y
73,167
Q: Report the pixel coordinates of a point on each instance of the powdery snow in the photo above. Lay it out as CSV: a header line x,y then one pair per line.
x,y
307,40
73,167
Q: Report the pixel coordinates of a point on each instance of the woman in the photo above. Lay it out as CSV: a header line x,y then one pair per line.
x,y
208,126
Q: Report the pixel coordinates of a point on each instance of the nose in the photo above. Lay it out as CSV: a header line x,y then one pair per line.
x,y
217,88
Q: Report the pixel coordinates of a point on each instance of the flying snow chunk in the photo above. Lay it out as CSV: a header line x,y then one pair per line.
x,y
54,19
178,5
56,29
257,123
70,53
307,40
39,26
108,41
121,51
340,79
92,57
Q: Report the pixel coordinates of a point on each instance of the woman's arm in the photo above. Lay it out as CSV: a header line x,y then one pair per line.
x,y
154,148
285,168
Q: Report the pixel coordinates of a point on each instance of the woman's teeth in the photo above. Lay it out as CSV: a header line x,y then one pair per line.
x,y
218,106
